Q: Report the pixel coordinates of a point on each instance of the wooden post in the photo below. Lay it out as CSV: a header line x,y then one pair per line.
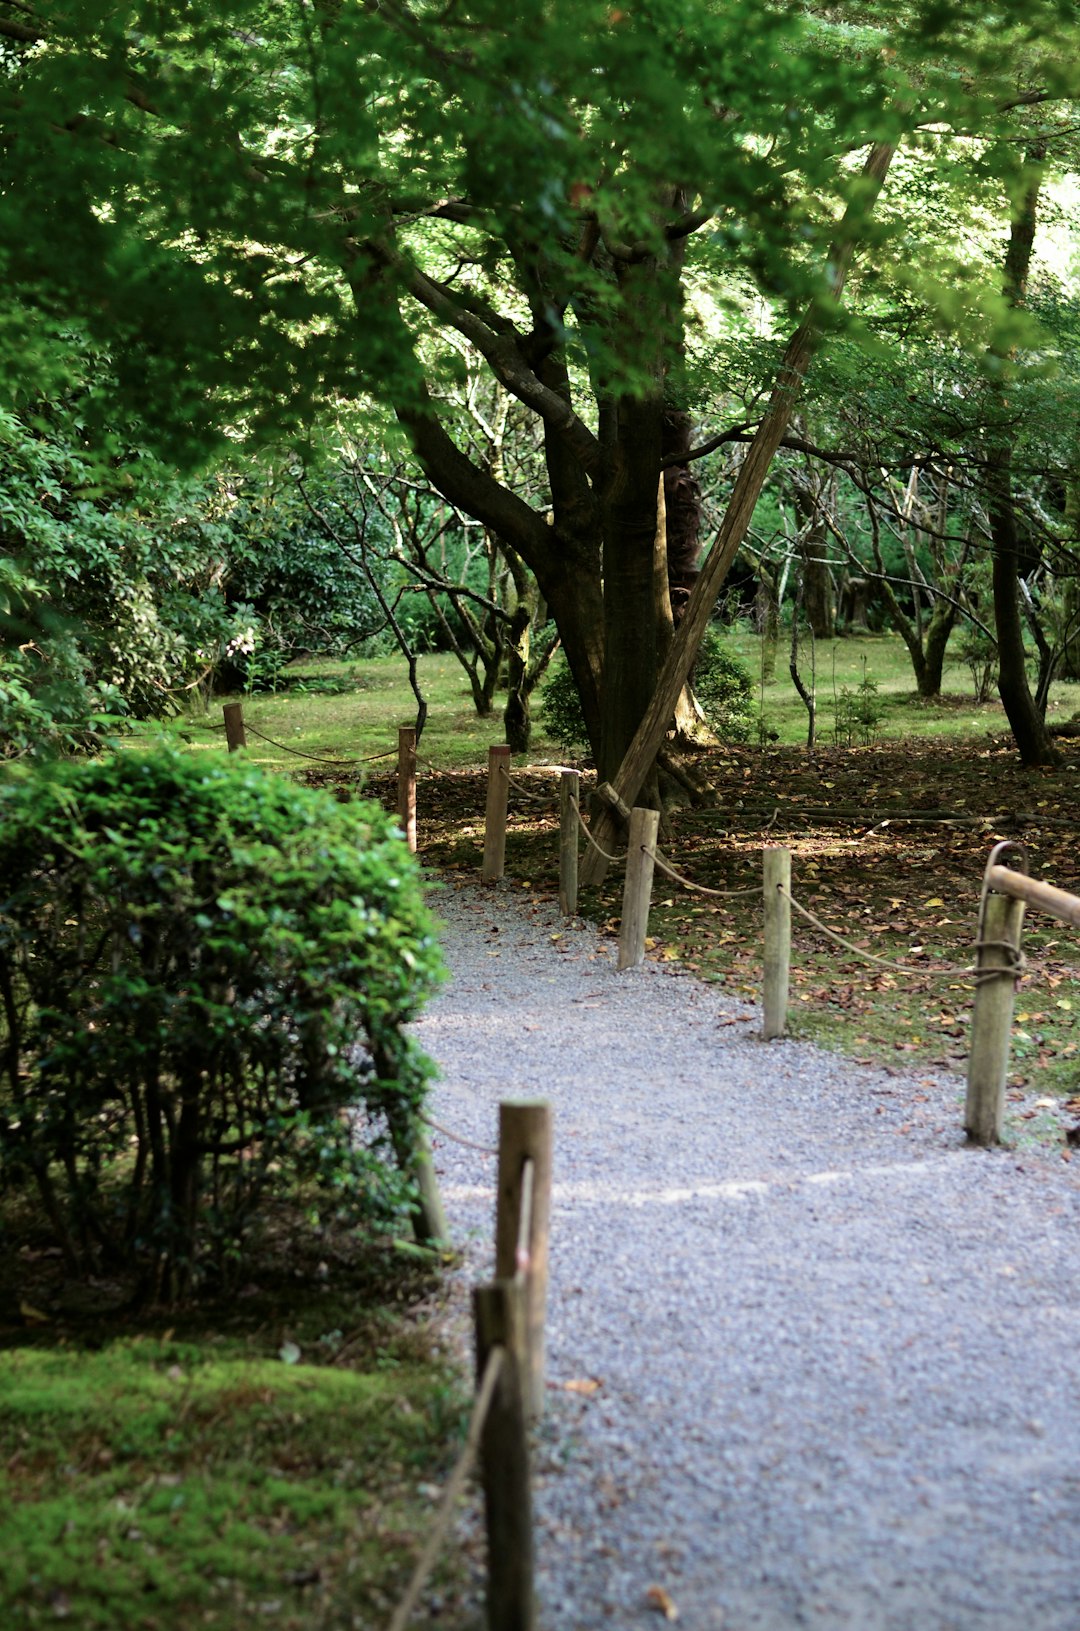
x,y
637,890
1000,925
525,1134
776,881
235,734
504,1462
569,796
498,792
430,1222
406,783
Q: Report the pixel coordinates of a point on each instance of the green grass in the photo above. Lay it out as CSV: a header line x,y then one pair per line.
x,y
883,659
275,1460
362,719
156,1484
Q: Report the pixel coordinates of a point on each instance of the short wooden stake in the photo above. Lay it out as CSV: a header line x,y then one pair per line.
x,y
406,783
569,796
637,890
525,1134
504,1462
235,734
498,793
1000,926
776,883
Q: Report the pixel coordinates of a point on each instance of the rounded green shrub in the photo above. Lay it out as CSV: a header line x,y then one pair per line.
x,y
204,973
560,707
722,684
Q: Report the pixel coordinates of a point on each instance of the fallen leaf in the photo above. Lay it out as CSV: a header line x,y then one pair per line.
x,y
657,1598
586,1385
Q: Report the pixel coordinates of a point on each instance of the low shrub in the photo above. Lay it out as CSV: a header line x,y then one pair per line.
x,y
204,972
721,683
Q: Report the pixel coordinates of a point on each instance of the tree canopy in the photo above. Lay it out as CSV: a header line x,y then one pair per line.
x,y
271,211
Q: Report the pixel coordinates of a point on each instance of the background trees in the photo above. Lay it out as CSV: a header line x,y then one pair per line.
x,y
289,210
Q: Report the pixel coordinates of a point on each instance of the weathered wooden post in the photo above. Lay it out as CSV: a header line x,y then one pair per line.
x,y
406,783
504,1461
525,1136
776,885
997,957
637,889
498,793
235,734
569,795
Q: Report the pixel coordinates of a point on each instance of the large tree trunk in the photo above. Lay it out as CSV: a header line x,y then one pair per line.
x,y
641,754
1027,723
630,589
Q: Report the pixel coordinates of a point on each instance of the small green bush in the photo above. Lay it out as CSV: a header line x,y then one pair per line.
x,y
725,690
722,684
560,707
204,972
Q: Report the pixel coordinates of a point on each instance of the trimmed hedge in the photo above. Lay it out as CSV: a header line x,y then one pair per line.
x,y
204,972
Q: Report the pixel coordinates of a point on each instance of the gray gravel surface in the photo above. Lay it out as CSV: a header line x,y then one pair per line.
x,y
837,1352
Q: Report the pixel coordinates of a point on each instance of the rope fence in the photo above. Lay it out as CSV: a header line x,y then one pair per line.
x,y
999,962
509,1317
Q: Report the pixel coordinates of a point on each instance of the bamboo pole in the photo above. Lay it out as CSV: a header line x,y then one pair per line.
x,y
525,1136
1000,925
637,889
235,734
776,882
406,783
1033,892
504,1461
498,793
569,800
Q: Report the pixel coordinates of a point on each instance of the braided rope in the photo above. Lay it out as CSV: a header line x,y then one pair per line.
x,y
455,1138
699,888
320,758
526,792
589,836
970,971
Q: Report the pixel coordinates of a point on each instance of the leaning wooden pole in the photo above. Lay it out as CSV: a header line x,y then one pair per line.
x,y
776,884
649,736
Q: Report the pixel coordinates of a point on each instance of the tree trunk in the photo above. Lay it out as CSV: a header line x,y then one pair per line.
x,y
1028,725
641,754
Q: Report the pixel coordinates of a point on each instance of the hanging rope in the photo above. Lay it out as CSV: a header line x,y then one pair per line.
x,y
320,758
589,836
1017,960
455,1138
523,789
698,888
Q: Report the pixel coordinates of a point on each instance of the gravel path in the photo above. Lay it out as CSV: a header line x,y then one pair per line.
x,y
838,1353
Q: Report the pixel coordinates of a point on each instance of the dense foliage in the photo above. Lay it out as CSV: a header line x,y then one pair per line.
x,y
722,685
204,972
